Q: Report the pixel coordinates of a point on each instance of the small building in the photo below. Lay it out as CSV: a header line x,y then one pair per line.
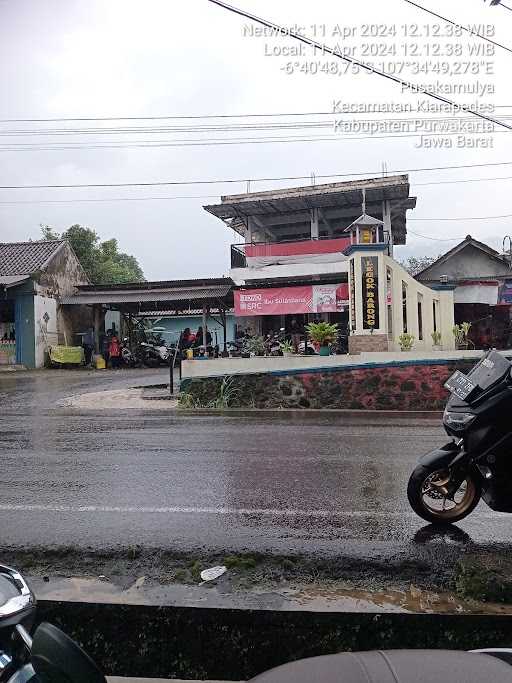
x,y
326,252
481,278
33,278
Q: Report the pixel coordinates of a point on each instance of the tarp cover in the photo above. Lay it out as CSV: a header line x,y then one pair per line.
x,y
67,354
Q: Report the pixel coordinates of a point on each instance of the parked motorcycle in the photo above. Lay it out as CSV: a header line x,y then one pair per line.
x,y
129,359
153,354
448,483
49,656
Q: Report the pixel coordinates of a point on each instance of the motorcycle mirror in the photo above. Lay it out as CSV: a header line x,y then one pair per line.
x,y
56,658
282,329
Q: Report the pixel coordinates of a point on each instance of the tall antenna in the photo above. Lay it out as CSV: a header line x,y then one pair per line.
x,y
313,178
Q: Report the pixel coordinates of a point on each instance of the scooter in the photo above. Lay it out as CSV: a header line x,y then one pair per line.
x,y
448,482
153,355
49,655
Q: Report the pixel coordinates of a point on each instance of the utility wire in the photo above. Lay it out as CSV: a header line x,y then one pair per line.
x,y
352,60
36,201
49,147
198,116
454,23
377,174
435,239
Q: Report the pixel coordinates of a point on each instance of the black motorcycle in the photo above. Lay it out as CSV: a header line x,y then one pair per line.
x,y
47,656
448,482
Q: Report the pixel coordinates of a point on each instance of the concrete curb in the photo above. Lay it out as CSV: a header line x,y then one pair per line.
x,y
312,412
237,644
116,679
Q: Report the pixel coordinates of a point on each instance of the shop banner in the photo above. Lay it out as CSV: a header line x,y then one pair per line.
x,y
370,289
285,300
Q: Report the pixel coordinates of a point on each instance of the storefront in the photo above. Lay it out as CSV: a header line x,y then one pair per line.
x,y
270,309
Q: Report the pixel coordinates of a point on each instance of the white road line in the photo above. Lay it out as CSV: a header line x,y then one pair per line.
x,y
212,511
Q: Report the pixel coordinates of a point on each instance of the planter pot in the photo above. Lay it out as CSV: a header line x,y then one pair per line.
x,y
288,354
437,347
325,351
405,350
463,346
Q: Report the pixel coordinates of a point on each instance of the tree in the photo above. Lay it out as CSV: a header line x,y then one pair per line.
x,y
415,264
102,261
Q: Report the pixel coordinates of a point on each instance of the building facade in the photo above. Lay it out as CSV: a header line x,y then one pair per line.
x,y
33,278
304,255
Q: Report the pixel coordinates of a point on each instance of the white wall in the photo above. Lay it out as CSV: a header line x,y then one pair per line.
x,y
44,333
242,275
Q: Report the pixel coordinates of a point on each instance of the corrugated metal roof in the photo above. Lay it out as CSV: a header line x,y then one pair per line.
x,y
148,295
25,258
304,198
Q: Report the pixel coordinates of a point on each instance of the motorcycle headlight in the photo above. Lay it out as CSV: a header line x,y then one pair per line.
x,y
458,421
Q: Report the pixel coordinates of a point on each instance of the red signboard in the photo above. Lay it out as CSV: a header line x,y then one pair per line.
x,y
283,300
324,246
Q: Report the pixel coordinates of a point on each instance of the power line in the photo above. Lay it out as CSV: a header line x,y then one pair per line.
x,y
454,23
435,239
261,180
464,218
249,141
462,180
352,60
64,119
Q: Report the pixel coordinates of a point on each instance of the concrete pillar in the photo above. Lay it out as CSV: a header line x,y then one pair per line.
x,y
315,232
386,218
97,323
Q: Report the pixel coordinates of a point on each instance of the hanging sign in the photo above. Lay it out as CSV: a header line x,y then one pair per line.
x,y
370,289
283,300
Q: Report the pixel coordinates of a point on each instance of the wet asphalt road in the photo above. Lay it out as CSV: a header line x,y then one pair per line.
x,y
101,479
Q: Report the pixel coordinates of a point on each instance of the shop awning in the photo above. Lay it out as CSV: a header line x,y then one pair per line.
x,y
154,296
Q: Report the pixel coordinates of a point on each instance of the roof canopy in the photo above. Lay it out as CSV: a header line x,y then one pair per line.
x,y
155,296
333,199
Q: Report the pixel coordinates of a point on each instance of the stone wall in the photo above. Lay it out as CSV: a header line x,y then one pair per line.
x,y
364,343
398,386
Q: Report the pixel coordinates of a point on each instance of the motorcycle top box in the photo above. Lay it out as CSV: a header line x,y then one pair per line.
x,y
449,482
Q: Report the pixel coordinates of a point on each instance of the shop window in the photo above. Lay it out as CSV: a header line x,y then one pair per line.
x,y
434,315
404,307
420,317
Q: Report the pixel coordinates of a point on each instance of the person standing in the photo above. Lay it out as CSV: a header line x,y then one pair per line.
x,y
296,332
114,351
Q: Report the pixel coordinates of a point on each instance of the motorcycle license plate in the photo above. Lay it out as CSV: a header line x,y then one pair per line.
x,y
460,385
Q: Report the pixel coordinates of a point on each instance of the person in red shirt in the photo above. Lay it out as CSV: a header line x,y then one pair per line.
x,y
114,351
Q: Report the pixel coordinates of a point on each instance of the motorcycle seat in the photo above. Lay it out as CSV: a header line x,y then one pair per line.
x,y
393,666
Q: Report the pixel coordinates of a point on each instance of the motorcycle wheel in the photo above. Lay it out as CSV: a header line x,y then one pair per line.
x,y
151,362
428,501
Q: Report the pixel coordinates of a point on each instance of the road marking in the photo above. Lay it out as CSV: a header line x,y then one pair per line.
x,y
212,511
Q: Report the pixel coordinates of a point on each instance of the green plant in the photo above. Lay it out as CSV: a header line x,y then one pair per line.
x,y
255,345
186,400
460,332
322,333
406,341
436,337
286,346
228,393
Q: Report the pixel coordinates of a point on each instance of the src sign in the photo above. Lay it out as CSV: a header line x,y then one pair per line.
x,y
370,289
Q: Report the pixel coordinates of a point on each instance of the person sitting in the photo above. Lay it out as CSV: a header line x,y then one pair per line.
x,y
199,337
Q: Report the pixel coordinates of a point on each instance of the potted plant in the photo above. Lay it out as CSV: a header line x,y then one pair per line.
x,y
323,334
286,348
255,346
460,332
436,339
406,341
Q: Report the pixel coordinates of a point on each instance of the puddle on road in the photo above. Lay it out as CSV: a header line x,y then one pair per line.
x,y
222,595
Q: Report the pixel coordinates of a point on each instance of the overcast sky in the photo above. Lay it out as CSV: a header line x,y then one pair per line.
x,y
109,58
